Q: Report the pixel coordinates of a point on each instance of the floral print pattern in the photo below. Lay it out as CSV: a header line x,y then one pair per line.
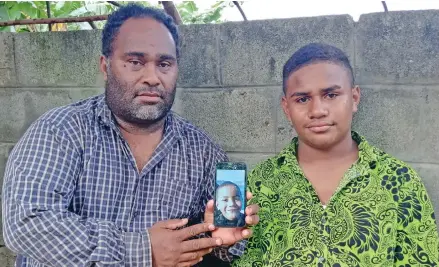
x,y
380,215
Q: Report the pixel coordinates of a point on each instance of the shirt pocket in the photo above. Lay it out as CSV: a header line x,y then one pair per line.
x,y
179,199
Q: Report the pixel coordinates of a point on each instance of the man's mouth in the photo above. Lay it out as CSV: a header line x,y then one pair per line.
x,y
149,97
150,94
319,127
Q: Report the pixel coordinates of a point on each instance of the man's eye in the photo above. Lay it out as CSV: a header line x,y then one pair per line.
x,y
302,100
135,62
331,95
164,65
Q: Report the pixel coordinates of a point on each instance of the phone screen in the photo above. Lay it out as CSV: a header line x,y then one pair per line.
x,y
230,194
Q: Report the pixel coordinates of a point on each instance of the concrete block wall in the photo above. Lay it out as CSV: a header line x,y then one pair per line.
x,y
230,82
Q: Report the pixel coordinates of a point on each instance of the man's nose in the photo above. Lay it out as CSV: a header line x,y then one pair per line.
x,y
317,109
149,75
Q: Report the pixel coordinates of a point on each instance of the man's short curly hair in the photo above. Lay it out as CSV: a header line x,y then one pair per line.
x,y
118,17
313,53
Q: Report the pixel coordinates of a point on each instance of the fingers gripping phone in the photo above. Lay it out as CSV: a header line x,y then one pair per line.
x,y
230,194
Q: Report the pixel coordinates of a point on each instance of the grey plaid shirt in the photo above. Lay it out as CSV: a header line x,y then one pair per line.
x,y
72,195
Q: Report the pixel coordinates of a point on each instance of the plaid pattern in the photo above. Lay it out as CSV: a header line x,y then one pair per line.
x,y
72,195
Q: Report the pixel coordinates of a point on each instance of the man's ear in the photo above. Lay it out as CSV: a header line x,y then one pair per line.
x,y
284,104
103,66
356,95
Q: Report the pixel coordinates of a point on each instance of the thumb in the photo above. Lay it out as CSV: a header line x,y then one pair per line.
x,y
172,224
208,214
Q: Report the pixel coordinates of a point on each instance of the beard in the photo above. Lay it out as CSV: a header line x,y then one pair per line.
x,y
120,98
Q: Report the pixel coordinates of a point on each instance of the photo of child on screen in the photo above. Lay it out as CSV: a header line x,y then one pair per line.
x,y
228,205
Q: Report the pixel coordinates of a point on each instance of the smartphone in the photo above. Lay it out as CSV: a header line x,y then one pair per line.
x,y
230,194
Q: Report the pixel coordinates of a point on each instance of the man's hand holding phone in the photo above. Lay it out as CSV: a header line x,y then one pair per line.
x,y
170,246
226,217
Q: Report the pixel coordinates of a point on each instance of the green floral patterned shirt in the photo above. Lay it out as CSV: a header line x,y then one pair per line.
x,y
380,215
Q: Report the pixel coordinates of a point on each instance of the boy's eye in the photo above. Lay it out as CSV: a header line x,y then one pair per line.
x,y
302,100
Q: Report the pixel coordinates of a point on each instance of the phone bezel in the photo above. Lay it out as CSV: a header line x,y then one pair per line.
x,y
231,166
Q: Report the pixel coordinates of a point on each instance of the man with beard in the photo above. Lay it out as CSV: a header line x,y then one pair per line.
x,y
115,179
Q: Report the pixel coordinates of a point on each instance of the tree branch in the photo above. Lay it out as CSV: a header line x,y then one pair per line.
x,y
385,6
114,3
240,9
48,14
93,25
52,20
172,11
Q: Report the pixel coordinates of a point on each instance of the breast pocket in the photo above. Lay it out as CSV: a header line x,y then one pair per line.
x,y
180,199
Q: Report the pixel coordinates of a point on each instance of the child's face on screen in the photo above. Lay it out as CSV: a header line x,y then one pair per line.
x,y
228,201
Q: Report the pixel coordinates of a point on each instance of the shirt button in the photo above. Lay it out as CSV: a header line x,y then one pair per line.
x,y
321,259
323,220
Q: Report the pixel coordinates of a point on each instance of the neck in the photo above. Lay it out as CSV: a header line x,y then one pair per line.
x,y
347,147
154,128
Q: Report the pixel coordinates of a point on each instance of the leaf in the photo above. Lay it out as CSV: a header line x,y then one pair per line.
x,y
216,15
60,10
97,8
219,4
4,13
73,27
40,14
23,29
110,7
212,17
5,29
10,4
184,14
27,9
76,4
192,6
188,6
40,4
15,12
79,12
41,9
66,9
59,5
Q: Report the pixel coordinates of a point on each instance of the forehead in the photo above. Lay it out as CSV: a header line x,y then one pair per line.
x,y
227,190
144,35
319,75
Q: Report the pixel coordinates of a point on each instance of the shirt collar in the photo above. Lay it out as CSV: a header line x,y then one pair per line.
x,y
367,157
104,113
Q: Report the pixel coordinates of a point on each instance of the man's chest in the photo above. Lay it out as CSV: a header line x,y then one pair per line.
x,y
109,186
356,228
325,178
